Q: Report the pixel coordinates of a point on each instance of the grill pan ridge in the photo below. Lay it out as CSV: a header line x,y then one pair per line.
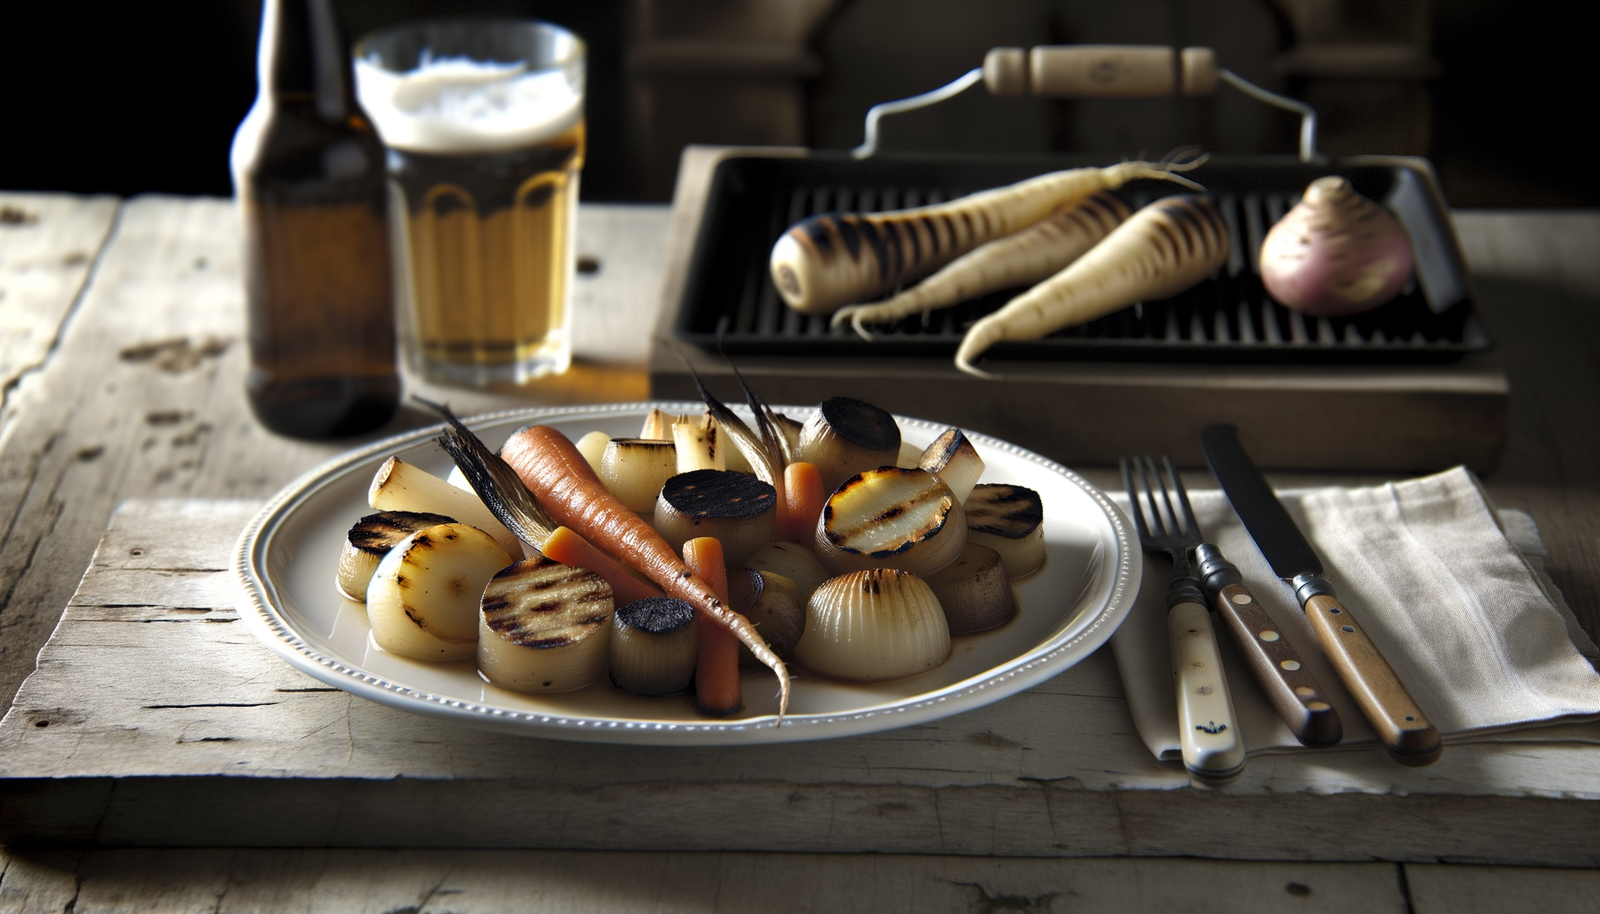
x,y
731,305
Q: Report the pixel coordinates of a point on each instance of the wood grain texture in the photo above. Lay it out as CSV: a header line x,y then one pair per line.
x,y
1444,889
152,708
579,882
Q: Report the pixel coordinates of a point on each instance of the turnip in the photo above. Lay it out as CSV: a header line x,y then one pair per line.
x,y
1336,253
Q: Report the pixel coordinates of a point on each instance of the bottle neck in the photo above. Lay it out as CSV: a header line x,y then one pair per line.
x,y
301,54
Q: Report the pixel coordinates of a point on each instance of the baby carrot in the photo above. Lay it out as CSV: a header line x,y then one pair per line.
x,y
804,491
716,671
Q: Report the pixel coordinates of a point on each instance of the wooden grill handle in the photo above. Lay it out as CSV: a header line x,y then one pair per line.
x,y
1100,71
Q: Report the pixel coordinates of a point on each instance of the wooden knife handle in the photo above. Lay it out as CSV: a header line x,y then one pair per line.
x,y
1213,749
1405,732
1294,692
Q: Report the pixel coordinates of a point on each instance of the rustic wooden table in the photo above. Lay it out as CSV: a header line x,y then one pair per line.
x,y
151,724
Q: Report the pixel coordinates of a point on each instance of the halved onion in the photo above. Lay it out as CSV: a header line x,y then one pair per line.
x,y
370,539
1009,520
873,625
423,599
952,458
891,518
653,646
846,436
794,562
975,591
633,470
737,509
544,627
773,605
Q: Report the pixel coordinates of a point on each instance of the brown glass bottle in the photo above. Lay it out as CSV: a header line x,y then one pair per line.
x,y
308,174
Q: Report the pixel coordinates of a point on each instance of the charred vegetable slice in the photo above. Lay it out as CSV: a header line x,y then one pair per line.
x,y
737,509
423,599
891,518
544,627
846,436
952,458
653,646
974,590
874,625
773,605
370,540
633,470
1009,520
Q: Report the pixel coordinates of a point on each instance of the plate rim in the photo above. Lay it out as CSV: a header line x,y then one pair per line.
x,y
260,607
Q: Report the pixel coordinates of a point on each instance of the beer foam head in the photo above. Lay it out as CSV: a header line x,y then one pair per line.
x,y
455,105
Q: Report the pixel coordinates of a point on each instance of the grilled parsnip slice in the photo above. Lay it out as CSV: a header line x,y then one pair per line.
x,y
658,424
795,562
544,627
891,518
699,445
401,486
737,509
952,458
1010,520
773,605
653,646
874,625
423,599
370,540
846,436
974,590
633,470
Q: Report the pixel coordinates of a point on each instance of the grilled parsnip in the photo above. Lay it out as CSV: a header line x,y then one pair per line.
x,y
1009,520
401,486
633,470
737,509
699,446
544,627
658,424
974,590
773,605
797,563
846,436
593,448
370,540
873,625
653,646
952,458
891,518
423,599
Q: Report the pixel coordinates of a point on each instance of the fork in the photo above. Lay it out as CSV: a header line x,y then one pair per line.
x,y
1213,749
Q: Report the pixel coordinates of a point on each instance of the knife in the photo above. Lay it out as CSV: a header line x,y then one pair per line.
x,y
1401,726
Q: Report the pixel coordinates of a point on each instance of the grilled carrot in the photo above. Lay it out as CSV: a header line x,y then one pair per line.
x,y
1164,248
568,548
1024,258
802,486
834,259
716,668
568,489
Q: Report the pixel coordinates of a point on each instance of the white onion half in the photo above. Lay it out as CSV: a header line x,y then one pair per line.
x,y
870,626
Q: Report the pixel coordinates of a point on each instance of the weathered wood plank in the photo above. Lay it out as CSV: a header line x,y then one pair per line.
x,y
1446,889
576,882
148,713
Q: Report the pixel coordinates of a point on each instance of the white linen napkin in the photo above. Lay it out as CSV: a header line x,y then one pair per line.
x,y
1469,622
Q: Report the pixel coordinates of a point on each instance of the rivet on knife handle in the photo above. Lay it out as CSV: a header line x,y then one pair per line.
x,y
1402,728
1208,731
1293,691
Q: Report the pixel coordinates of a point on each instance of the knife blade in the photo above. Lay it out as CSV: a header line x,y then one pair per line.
x,y
1401,726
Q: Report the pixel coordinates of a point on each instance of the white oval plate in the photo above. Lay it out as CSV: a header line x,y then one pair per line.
x,y
286,558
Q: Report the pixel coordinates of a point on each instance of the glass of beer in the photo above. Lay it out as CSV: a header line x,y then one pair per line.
x,y
483,121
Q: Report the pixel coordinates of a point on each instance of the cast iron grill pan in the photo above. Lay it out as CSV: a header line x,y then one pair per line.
x,y
730,303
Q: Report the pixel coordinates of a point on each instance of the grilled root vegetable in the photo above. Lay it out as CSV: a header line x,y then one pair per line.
x,y
974,591
653,646
1009,520
401,486
874,625
1336,253
423,599
795,562
1022,259
1161,250
835,259
544,627
952,458
846,436
593,448
370,540
739,510
633,469
891,518
773,605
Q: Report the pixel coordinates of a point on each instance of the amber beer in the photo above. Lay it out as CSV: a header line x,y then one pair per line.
x,y
485,151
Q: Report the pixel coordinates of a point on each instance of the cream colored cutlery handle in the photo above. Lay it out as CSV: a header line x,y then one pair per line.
x,y
1208,731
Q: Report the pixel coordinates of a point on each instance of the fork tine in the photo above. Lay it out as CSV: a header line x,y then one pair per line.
x,y
1166,497
1146,467
1191,527
1133,500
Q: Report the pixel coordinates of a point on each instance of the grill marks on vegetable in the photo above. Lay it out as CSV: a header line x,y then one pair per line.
x,y
538,603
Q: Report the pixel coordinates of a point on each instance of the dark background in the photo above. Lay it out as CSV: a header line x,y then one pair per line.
x,y
126,98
